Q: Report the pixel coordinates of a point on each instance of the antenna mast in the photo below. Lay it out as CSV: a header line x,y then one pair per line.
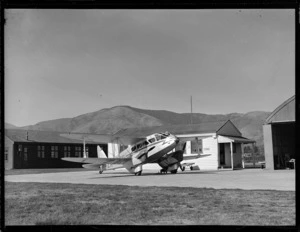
x,y
191,110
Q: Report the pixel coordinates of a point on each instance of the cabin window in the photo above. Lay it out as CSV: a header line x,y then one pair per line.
x,y
6,153
67,151
25,154
41,152
139,145
77,151
133,148
54,151
145,143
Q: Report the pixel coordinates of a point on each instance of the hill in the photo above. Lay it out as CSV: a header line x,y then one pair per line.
x,y
10,126
110,120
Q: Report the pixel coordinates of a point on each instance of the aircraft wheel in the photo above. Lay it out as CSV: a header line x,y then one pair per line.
x,y
100,172
138,173
174,171
191,168
163,171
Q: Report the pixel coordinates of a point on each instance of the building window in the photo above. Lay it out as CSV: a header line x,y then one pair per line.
x,y
25,154
196,146
6,153
87,151
67,151
233,147
54,152
41,152
77,151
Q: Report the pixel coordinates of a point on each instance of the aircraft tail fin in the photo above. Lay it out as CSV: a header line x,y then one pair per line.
x,y
100,152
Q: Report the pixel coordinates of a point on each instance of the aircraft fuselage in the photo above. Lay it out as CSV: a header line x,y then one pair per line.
x,y
150,150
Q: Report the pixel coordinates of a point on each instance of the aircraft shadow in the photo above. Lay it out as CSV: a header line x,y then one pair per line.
x,y
123,174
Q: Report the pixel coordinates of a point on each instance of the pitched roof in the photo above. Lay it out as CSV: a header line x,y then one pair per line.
x,y
206,127
18,135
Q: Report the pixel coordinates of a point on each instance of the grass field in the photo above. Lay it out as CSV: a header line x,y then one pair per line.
x,y
78,204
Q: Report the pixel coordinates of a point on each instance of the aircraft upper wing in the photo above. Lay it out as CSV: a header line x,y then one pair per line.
x,y
189,157
103,138
97,160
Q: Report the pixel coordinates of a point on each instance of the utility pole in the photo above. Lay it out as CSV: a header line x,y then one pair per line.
x,y
191,110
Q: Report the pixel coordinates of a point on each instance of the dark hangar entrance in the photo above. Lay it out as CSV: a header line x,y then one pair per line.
x,y
283,135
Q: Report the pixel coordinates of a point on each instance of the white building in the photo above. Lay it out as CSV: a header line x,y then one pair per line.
x,y
222,140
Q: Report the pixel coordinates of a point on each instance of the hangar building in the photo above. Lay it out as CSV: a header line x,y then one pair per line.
x,y
279,136
222,140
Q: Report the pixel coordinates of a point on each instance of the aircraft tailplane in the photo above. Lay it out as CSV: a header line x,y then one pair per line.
x,y
100,152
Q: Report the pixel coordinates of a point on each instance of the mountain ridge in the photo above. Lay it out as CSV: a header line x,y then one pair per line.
x,y
110,120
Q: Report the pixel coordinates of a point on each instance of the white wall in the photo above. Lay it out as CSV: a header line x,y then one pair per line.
x,y
268,146
113,150
8,164
209,146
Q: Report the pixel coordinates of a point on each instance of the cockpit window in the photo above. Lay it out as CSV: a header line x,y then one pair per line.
x,y
152,140
158,137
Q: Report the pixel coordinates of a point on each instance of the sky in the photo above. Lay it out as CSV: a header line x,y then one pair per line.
x,y
61,63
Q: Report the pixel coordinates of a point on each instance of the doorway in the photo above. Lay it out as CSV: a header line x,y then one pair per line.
x,y
222,153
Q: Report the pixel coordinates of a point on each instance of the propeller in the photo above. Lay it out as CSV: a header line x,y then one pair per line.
x,y
183,148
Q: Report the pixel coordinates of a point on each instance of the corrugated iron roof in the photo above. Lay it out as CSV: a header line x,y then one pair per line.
x,y
206,127
280,107
18,135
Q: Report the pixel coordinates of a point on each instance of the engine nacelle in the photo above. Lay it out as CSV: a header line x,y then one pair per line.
x,y
136,161
173,167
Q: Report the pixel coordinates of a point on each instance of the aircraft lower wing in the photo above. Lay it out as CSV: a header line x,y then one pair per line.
x,y
97,160
187,164
97,166
189,157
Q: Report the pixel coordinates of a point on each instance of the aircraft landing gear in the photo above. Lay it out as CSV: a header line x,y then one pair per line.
x,y
138,173
174,171
182,168
163,171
